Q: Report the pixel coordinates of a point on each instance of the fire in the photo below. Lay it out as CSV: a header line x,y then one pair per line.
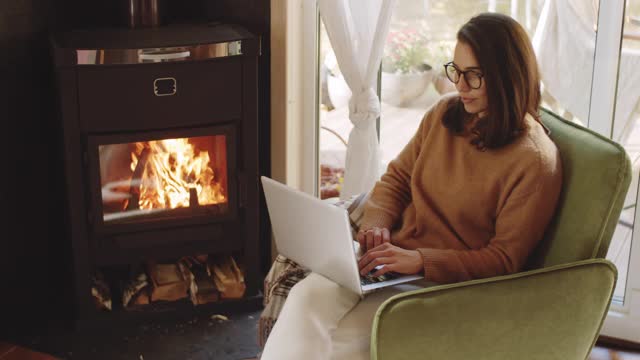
x,y
171,170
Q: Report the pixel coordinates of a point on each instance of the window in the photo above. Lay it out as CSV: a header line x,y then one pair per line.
x,y
624,127
334,125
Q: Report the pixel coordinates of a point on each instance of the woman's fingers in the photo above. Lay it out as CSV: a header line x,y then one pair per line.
x,y
375,258
384,269
384,261
370,239
393,258
371,255
386,235
373,237
377,237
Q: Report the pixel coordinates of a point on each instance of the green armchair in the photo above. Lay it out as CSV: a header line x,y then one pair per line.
x,y
554,309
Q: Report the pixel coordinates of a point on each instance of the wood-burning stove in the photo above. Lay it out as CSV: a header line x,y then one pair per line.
x,y
160,146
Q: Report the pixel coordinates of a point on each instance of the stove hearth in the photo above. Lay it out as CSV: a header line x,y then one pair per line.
x,y
161,154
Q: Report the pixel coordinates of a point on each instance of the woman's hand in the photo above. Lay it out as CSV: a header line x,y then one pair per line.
x,y
393,258
373,237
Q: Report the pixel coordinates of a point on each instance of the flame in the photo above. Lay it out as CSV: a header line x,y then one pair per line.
x,y
171,170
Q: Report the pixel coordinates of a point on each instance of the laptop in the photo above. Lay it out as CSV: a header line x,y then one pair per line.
x,y
317,235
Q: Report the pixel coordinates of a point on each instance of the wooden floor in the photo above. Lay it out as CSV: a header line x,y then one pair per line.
x,y
13,352
603,353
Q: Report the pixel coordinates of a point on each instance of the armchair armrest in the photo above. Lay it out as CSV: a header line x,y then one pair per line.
x,y
550,313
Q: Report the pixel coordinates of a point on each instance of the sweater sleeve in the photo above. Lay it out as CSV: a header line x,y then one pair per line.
x,y
392,194
519,226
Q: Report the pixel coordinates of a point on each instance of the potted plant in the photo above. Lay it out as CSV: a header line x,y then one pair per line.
x,y
405,72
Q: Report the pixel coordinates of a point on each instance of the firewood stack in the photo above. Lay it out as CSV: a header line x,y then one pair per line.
x,y
136,291
202,278
100,292
202,288
168,282
228,277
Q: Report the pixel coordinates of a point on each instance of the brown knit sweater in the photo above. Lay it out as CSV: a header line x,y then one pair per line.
x,y
471,214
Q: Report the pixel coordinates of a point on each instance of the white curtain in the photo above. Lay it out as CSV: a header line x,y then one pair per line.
x,y
357,30
564,42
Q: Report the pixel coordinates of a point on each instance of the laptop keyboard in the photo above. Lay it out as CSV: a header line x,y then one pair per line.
x,y
370,279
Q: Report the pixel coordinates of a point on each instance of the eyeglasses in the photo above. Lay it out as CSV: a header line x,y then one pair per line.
x,y
472,77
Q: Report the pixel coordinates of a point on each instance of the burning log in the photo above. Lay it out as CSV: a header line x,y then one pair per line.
x,y
193,198
167,175
134,190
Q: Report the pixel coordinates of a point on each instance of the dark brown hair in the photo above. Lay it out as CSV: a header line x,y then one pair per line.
x,y
512,81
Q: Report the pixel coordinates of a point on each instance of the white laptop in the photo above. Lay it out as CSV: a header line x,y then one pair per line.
x,y
317,235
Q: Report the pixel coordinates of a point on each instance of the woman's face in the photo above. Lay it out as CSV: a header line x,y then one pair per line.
x,y
475,100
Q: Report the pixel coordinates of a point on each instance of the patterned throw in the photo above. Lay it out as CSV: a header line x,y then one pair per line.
x,y
285,273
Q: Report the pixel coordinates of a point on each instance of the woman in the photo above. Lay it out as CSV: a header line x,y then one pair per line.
x,y
469,197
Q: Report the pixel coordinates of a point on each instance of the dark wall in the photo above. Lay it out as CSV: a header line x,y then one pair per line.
x,y
29,217
35,258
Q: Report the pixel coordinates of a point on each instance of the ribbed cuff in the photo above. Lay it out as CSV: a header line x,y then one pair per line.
x,y
439,265
376,218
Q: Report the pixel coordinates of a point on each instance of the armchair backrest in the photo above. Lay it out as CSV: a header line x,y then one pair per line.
x,y
597,174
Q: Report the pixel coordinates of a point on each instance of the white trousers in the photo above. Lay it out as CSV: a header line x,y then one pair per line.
x,y
322,320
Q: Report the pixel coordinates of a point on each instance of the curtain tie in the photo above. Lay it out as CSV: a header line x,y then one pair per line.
x,y
363,108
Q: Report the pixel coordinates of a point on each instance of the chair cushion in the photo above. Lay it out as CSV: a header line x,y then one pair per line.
x,y
544,314
597,173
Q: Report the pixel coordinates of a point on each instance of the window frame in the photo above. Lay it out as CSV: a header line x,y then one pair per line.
x,y
623,320
311,99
